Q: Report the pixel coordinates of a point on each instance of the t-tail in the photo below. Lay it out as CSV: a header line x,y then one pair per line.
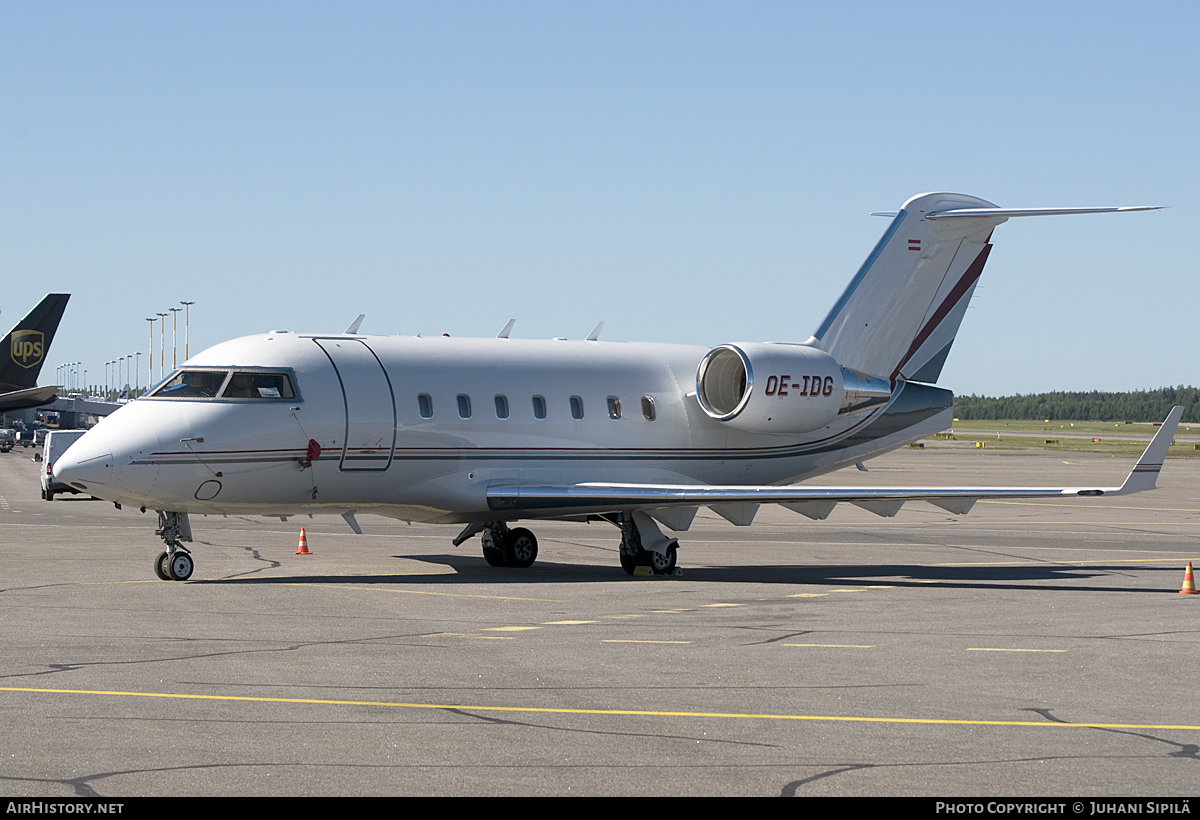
x,y
23,350
900,313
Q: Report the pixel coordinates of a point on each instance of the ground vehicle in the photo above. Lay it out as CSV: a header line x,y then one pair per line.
x,y
7,439
57,442
32,438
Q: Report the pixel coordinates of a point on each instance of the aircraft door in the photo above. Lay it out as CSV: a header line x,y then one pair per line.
x,y
370,438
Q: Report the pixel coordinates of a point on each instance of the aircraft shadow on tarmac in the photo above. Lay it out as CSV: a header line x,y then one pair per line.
x,y
471,570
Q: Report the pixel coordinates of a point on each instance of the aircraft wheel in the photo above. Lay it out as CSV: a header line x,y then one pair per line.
x,y
160,567
520,548
180,566
493,552
629,563
664,564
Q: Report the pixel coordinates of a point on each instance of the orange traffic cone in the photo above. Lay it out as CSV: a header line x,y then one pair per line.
x,y
1189,582
303,548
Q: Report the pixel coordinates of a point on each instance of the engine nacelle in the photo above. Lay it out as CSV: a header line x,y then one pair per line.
x,y
784,389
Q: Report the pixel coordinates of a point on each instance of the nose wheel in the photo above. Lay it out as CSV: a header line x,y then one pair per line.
x,y
176,563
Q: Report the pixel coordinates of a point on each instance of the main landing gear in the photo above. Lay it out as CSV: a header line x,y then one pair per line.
x,y
503,547
642,544
176,563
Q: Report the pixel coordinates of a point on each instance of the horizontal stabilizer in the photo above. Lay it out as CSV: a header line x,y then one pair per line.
x,y
1010,212
900,313
24,399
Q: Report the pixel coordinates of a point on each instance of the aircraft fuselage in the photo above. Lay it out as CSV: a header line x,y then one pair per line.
x,y
418,428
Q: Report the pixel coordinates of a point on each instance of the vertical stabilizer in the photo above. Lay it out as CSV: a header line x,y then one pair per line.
x,y
900,313
23,350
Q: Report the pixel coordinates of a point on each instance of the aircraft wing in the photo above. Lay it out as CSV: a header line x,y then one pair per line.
x,y
738,503
30,397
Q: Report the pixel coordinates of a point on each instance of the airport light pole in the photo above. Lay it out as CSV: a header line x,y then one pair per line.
x,y
174,336
137,371
162,342
150,373
186,306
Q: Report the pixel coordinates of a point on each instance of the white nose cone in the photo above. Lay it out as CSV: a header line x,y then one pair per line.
x,y
87,464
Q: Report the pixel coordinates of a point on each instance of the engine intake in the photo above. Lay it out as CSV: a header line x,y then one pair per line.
x,y
783,389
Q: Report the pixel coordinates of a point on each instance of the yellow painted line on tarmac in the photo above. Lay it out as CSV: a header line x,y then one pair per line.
x,y
856,589
808,595
669,611
510,628
1003,649
420,592
345,586
623,616
468,635
720,605
612,712
630,640
567,623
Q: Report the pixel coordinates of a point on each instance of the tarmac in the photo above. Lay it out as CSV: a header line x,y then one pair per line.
x,y
1030,648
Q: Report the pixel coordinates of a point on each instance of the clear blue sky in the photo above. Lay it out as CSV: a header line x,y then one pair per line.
x,y
692,172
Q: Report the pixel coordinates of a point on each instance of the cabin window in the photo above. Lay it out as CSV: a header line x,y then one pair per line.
x,y
464,406
258,386
539,407
647,408
501,407
576,408
425,405
614,407
192,384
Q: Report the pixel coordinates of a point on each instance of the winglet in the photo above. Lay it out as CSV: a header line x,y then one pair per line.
x,y
503,334
595,334
1145,472
350,331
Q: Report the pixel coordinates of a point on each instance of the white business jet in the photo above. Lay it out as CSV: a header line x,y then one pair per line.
x,y
486,432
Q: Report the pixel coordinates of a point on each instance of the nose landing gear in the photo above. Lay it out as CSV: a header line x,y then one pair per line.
x,y
176,563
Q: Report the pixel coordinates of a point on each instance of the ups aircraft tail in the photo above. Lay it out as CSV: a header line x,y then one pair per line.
x,y
23,350
899,315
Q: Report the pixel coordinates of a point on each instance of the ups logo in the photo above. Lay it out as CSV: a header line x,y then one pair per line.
x,y
27,347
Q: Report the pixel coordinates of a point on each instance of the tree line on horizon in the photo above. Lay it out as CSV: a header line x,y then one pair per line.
x,y
1138,405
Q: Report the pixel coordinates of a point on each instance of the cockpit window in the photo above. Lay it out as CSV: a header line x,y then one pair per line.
x,y
251,385
244,385
192,384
